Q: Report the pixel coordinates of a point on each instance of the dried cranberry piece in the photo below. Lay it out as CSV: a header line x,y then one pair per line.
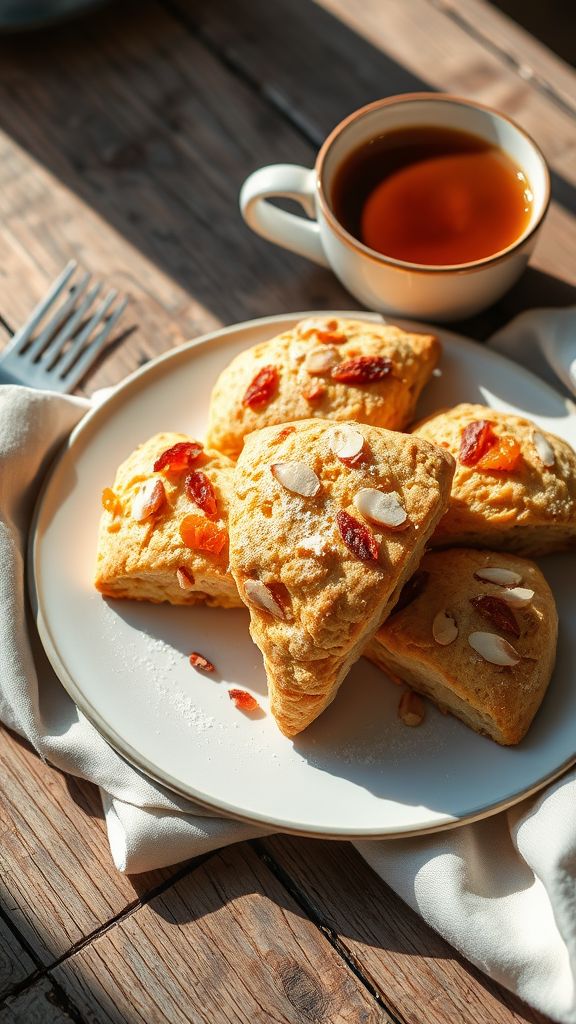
x,y
179,457
477,437
199,661
362,370
260,391
357,537
200,490
243,700
498,613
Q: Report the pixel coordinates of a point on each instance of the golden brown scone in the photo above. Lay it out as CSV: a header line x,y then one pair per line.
x,y
530,507
314,598
428,644
296,370
141,552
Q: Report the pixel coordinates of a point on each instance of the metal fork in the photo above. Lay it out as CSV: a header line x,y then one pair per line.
x,y
57,358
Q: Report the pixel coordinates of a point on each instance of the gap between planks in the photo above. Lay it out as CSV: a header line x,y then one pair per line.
x,y
43,970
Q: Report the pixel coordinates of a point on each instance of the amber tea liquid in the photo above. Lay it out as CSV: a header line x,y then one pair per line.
x,y
433,196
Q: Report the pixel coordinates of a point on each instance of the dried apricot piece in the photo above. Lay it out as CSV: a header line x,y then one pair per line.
x,y
199,533
111,502
260,390
200,490
243,700
362,370
179,457
476,438
504,456
357,537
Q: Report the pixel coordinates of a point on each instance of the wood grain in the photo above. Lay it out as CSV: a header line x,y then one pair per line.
x,y
57,881
226,944
126,147
535,62
15,963
423,979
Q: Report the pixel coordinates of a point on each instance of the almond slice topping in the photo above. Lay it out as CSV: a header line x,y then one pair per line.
x,y
516,597
346,443
544,449
411,709
444,628
321,360
296,477
185,578
494,649
502,577
148,499
258,594
381,507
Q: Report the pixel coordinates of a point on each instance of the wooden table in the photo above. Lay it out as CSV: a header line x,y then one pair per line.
x,y
123,142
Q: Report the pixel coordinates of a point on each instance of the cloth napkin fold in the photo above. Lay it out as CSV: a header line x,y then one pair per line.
x,y
501,891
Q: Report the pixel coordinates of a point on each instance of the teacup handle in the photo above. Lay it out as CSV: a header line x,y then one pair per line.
x,y
288,181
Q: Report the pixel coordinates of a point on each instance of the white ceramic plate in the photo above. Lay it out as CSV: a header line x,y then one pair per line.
x,y
357,771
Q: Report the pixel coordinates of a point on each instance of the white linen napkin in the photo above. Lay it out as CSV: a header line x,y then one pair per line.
x,y
501,891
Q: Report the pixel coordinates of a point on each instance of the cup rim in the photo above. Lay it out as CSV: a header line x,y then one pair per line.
x,y
426,268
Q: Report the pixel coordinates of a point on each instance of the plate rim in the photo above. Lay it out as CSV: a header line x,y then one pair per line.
x,y
88,423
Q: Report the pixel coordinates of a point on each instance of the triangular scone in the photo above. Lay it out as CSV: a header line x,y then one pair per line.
x,y
514,486
478,638
317,569
164,532
334,368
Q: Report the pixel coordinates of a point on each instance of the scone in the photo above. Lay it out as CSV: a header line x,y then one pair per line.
x,y
514,486
164,530
478,638
334,369
326,524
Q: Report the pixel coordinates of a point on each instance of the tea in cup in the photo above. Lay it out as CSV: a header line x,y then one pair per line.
x,y
424,205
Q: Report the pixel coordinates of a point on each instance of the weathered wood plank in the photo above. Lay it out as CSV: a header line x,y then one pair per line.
x,y
15,963
422,977
534,60
226,945
57,881
126,146
322,59
39,1004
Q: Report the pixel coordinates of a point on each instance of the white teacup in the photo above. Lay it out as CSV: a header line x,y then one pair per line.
x,y
379,282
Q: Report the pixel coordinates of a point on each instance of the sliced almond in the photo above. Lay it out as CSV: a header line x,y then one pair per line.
x,y
516,597
346,442
494,648
258,594
185,578
296,477
502,577
544,449
315,325
321,360
298,351
148,499
444,628
411,709
381,507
